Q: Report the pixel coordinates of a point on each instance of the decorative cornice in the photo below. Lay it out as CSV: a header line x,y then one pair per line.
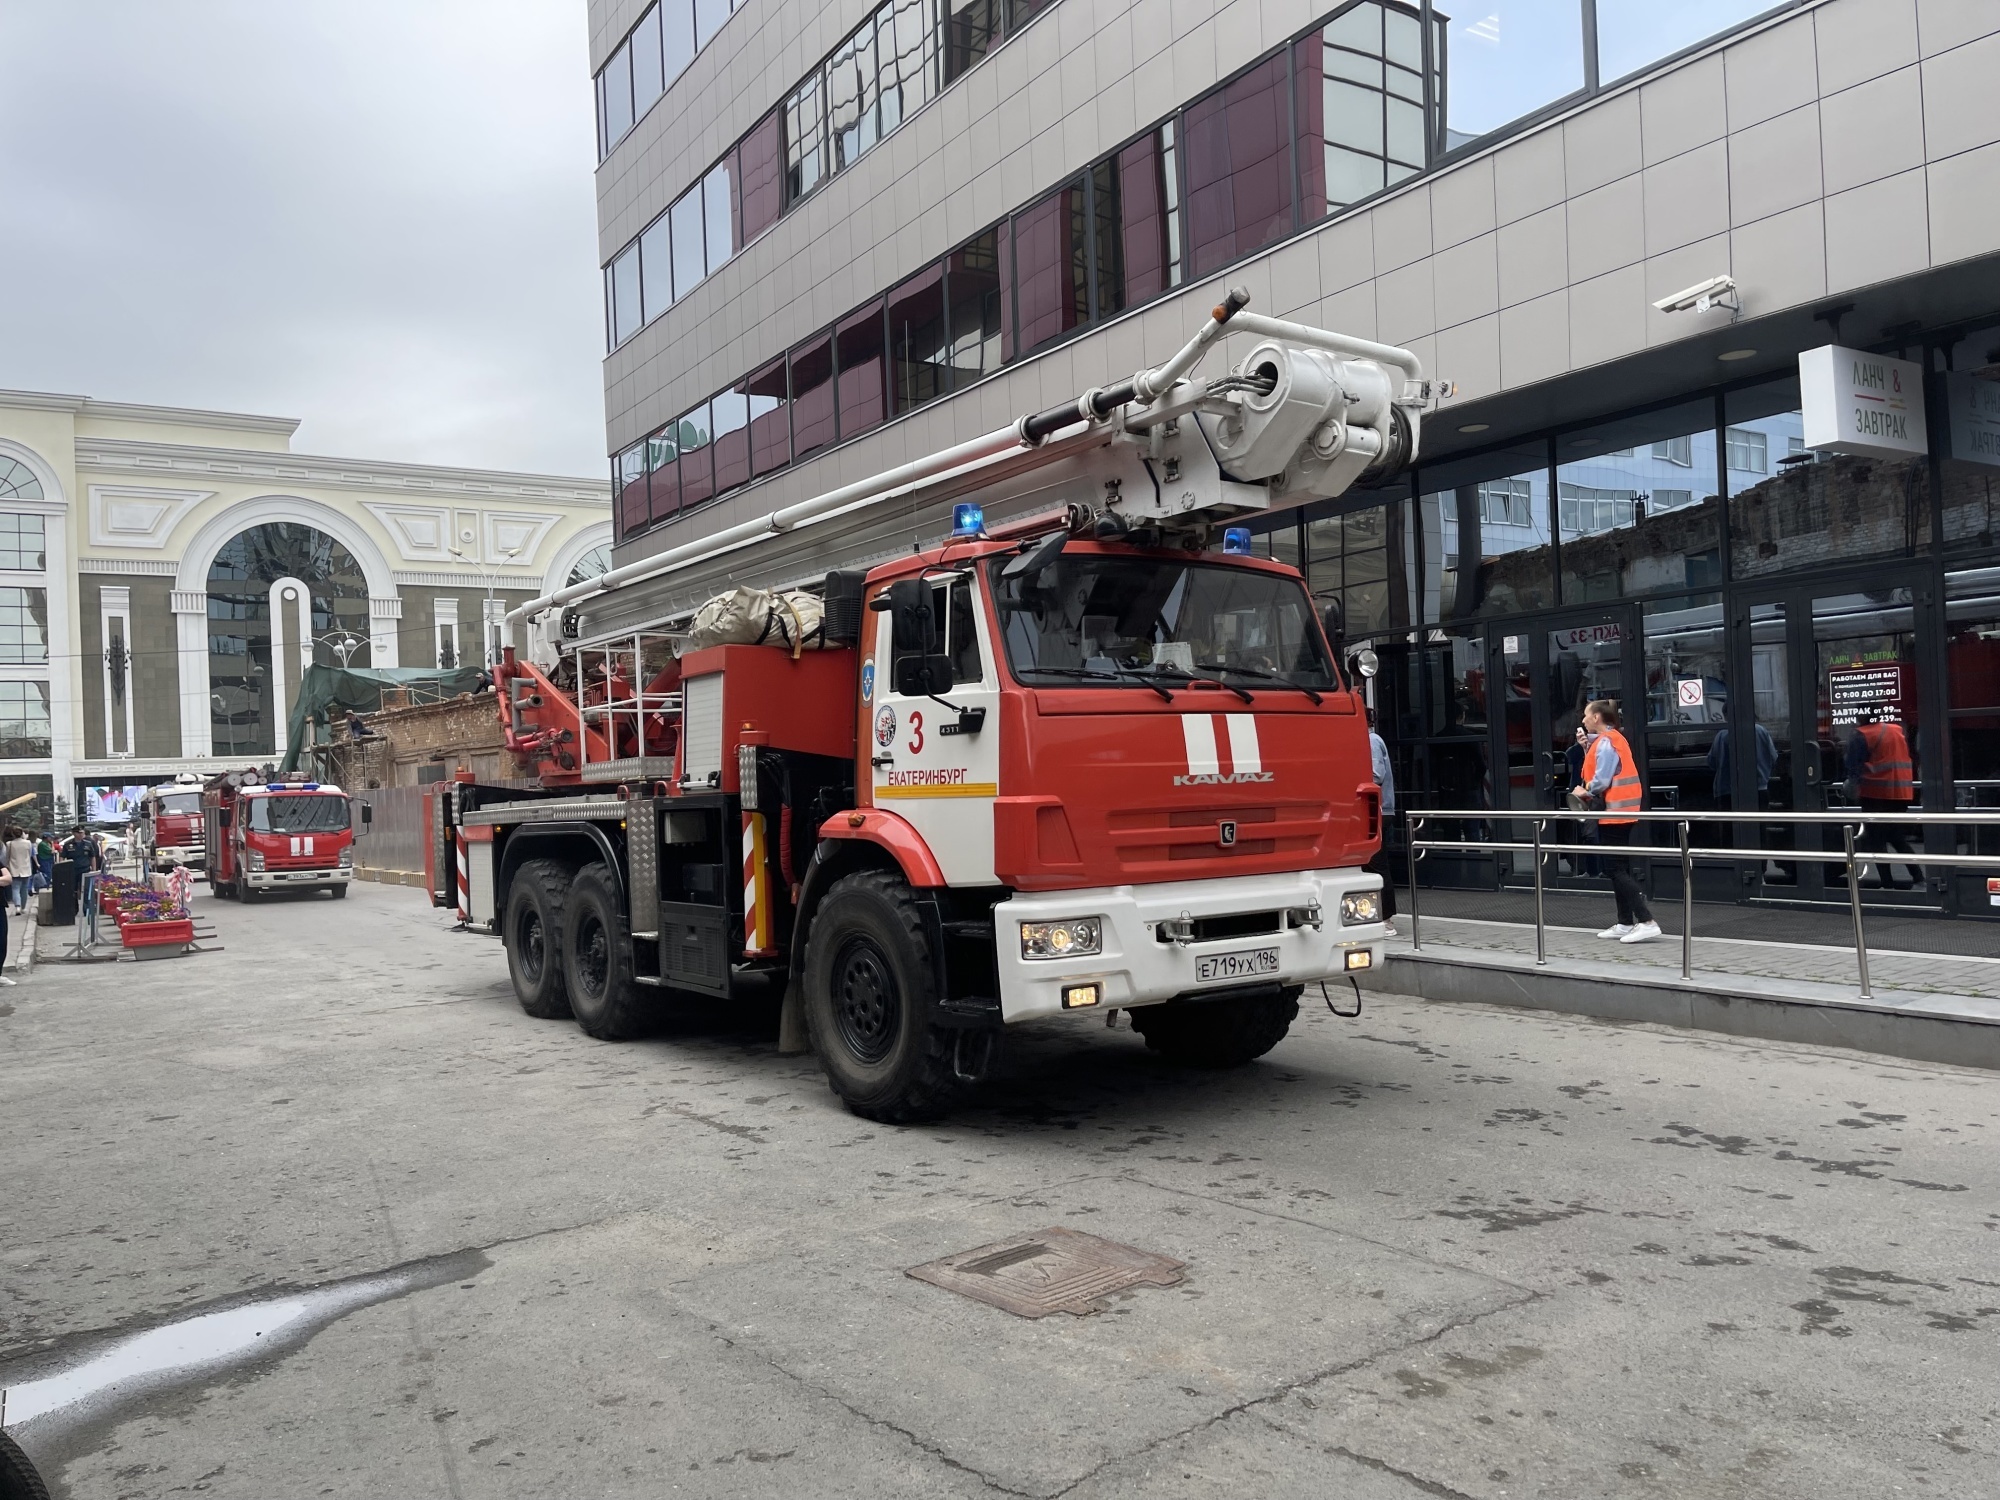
x,y
385,609
127,411
128,566
119,455
189,601
466,580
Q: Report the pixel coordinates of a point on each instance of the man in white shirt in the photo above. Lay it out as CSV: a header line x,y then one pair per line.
x,y
1385,778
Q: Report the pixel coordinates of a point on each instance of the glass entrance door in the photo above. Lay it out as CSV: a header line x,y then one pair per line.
x,y
1543,673
1821,659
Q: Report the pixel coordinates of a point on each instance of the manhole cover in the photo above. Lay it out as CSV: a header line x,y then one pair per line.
x,y
1049,1271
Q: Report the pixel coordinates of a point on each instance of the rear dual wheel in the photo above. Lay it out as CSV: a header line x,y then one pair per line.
x,y
597,960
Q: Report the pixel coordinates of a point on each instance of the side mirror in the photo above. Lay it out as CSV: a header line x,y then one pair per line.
x,y
367,812
1335,621
922,676
911,626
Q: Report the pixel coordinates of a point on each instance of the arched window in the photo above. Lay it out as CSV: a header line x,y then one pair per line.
x,y
596,560
243,711
17,480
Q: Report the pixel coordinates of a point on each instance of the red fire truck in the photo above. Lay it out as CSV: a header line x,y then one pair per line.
x,y
1083,753
271,834
166,828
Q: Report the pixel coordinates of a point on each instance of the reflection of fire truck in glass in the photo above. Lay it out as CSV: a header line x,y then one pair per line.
x,y
277,835
166,826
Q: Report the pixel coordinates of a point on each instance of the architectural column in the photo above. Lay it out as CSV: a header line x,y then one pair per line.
x,y
114,620
190,608
293,593
384,615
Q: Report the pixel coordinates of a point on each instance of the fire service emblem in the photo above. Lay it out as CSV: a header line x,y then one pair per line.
x,y
885,726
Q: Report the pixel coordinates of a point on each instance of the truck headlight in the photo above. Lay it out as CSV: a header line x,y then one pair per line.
x,y
254,860
1360,908
347,856
1073,937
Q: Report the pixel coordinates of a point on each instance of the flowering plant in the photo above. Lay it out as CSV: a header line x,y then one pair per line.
x,y
132,902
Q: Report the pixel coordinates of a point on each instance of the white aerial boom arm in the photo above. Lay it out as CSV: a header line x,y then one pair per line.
x,y
1307,413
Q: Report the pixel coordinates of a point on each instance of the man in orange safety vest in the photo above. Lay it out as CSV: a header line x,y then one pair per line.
x,y
1613,784
1881,775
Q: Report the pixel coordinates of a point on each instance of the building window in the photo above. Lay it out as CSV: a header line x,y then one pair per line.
x,y
1239,167
656,52
24,626
592,564
805,139
1051,267
444,627
1747,450
1506,502
17,481
23,545
1678,451
1360,106
24,721
1586,510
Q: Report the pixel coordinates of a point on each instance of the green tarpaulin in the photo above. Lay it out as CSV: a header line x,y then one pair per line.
x,y
327,691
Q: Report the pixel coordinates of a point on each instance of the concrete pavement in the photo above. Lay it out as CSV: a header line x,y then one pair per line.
x,y
1442,1250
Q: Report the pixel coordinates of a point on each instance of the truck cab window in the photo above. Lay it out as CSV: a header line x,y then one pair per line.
x,y
307,814
952,602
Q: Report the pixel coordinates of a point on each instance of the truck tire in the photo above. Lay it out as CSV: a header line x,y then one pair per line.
x,y
18,1477
1218,1033
533,937
597,960
868,1003
339,891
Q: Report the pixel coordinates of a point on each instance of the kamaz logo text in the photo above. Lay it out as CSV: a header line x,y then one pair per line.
x,y
1225,778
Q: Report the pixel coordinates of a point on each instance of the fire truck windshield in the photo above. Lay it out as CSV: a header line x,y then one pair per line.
x,y
180,803
1135,621
304,812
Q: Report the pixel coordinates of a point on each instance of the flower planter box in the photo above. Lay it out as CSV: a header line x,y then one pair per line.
x,y
157,934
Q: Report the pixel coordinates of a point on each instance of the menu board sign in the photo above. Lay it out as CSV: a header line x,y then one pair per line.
x,y
1866,404
1851,690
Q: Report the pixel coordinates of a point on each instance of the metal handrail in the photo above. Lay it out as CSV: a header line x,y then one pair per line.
x,y
1850,823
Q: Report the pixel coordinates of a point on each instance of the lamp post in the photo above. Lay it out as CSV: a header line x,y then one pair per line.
x,y
342,644
507,554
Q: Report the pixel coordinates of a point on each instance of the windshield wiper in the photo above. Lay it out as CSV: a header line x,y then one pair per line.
x,y
1263,676
1088,674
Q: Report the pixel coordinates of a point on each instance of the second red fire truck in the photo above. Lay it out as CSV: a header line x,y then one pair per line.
x,y
276,834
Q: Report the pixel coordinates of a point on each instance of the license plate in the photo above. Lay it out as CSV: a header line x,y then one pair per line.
x,y
1236,965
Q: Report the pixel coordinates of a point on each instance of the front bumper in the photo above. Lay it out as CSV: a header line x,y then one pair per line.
x,y
1136,968
279,880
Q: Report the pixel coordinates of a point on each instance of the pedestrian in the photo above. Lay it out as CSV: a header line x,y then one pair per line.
x,y
1614,786
80,848
1722,784
45,860
1881,778
20,866
1385,778
1586,832
6,888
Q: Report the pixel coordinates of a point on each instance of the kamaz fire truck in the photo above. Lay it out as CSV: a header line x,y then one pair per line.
x,y
1030,733
268,834
166,828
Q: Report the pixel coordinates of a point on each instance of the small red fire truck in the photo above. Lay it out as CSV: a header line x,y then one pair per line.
x,y
166,828
285,834
1077,750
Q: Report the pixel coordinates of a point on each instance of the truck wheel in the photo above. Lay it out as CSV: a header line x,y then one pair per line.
x,y
533,935
18,1477
868,1003
1218,1033
597,960
339,891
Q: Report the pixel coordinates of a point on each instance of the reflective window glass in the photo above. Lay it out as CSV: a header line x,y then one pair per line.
x,y
760,180
663,469
647,82
972,284
629,473
906,53
656,269
812,395
1353,559
1637,509
1107,249
853,91
1688,754
676,37
1486,543
690,243
24,626
717,208
626,305
22,544
1633,33
970,29
1239,167
805,137
1148,215
618,96
24,720
1969,444
708,18
860,348
17,480
1050,282
1789,508
770,411
729,415
1507,58
918,344
697,470
1359,105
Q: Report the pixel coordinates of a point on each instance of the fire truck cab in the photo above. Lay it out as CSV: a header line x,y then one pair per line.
x,y
167,828
276,835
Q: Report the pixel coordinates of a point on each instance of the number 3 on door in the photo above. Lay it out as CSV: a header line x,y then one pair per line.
x,y
916,730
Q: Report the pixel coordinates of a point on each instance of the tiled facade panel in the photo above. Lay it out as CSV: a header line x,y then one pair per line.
x,y
1842,145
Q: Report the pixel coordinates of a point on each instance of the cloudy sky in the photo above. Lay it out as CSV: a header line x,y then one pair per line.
x,y
374,215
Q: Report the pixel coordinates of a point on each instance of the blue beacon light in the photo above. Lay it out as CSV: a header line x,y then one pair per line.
x,y
1236,541
967,519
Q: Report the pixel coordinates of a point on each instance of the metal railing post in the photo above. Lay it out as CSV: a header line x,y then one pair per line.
x,y
1854,905
1411,824
1541,930
1687,905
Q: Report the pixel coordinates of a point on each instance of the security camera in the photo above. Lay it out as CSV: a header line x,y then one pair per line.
x,y
1717,291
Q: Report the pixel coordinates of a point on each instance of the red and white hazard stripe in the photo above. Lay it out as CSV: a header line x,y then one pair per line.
x,y
464,879
757,939
1207,736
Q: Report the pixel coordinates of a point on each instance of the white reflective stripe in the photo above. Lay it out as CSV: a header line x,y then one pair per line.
x,y
1243,752
1199,732
295,843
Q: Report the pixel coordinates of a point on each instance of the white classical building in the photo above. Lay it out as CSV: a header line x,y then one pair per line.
x,y
166,574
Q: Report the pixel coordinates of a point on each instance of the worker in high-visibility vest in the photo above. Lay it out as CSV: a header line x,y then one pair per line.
x,y
1881,776
1614,786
